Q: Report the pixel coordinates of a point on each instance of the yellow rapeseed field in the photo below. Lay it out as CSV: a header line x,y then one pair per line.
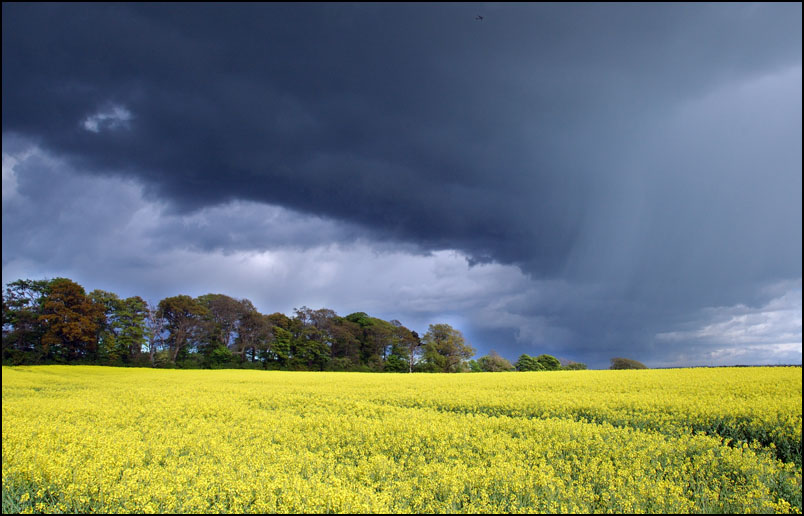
x,y
96,439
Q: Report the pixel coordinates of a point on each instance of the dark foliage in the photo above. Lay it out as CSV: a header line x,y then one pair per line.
x,y
626,363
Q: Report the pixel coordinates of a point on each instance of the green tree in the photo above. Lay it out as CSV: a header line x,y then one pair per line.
x,y
405,344
218,357
474,366
22,327
493,363
346,343
445,349
360,318
311,338
281,346
254,333
395,364
379,339
280,350
184,320
310,352
528,363
375,338
122,330
108,351
549,362
130,326
626,363
223,315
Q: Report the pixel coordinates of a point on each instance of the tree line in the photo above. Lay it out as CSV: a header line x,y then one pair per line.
x,y
56,321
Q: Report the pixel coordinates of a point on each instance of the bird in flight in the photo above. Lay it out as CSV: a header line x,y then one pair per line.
x,y
479,18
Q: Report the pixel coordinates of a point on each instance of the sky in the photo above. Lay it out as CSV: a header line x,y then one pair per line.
x,y
584,180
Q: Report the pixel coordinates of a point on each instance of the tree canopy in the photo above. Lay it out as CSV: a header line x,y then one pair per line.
x,y
445,349
56,321
493,363
626,363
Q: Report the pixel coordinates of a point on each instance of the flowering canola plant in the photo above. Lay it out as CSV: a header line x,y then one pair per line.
x,y
96,439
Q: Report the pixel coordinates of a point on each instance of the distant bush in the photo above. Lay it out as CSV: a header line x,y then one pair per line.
x,y
549,362
626,363
574,366
162,359
528,363
395,364
191,362
219,357
494,363
340,364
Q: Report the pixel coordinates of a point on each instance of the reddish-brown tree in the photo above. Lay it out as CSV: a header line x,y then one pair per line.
x,y
71,321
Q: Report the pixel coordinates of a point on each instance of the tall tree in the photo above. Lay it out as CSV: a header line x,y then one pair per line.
x,y
549,362
528,363
184,319
225,314
375,338
312,337
121,335
445,348
22,328
404,349
281,347
377,344
154,331
254,333
346,342
71,321
108,351
130,326
415,347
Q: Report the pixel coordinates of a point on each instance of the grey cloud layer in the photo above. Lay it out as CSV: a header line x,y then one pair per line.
x,y
105,234
646,159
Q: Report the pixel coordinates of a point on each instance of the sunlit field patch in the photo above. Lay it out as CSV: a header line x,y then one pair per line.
x,y
96,439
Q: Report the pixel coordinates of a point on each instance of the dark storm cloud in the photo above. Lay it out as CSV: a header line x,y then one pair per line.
x,y
416,120
646,156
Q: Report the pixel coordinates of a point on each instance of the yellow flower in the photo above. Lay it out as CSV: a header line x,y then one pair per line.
x,y
161,441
